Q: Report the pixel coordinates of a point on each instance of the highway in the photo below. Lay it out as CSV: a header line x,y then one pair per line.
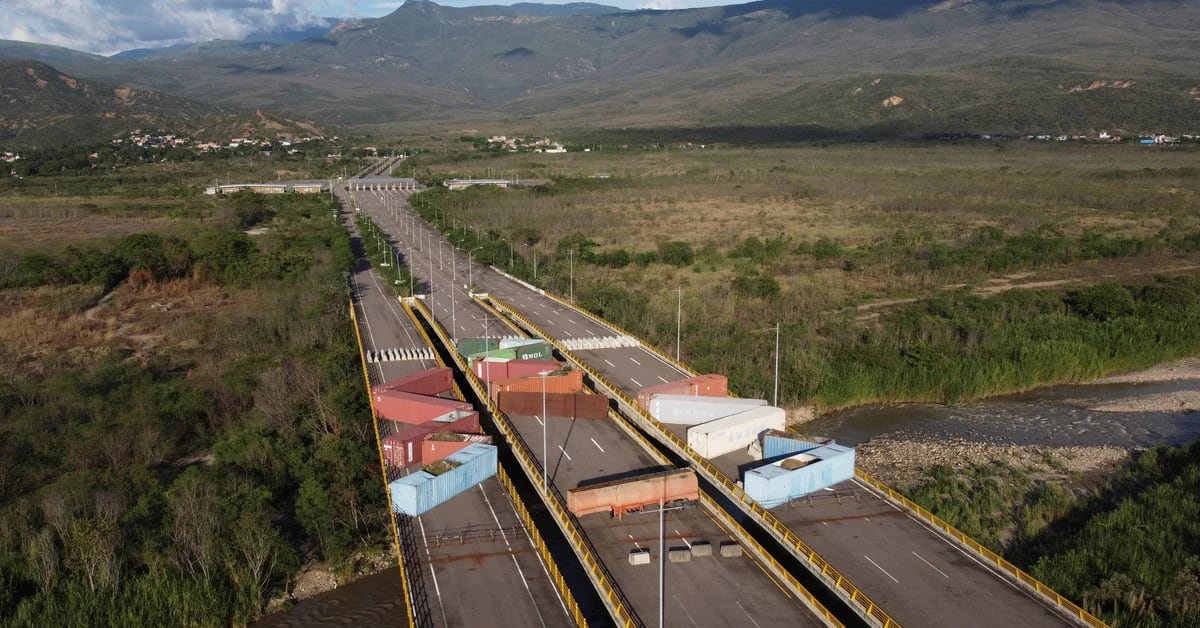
x,y
474,563
917,575
705,591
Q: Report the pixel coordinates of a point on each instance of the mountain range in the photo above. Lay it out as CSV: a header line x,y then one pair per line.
x,y
853,66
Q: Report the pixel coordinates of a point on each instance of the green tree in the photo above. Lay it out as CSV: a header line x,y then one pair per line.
x,y
1102,302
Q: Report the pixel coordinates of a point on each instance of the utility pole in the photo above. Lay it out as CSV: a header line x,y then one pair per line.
x,y
776,403
678,322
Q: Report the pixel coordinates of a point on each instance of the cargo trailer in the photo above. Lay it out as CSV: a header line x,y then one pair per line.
x,y
735,431
694,410
799,474
443,480
618,497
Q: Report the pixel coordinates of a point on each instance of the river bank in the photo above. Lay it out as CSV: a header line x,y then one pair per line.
x,y
1057,433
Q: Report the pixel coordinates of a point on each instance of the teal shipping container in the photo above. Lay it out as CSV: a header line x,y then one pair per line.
x,y
799,474
420,492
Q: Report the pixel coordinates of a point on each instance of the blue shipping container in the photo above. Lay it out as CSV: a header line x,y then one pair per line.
x,y
421,492
775,446
772,485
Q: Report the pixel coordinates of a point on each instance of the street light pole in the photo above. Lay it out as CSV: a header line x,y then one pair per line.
x,y
662,560
776,403
571,256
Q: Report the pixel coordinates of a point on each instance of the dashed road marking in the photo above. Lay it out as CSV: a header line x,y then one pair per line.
x,y
881,569
564,452
636,383
597,445
931,565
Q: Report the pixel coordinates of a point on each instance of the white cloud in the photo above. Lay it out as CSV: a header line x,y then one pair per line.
x,y
108,26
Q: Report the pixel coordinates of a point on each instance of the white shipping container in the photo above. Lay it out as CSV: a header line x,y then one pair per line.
x,y
694,410
735,431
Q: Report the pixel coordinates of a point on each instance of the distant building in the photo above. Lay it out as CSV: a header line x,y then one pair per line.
x,y
462,184
278,187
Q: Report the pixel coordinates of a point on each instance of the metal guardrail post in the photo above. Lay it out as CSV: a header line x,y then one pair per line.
x,y
362,358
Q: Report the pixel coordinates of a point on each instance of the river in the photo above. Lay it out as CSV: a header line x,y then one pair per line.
x,y
1057,416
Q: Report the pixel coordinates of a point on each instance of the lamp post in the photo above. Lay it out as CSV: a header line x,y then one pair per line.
x,y
545,427
471,266
775,401
678,321
571,256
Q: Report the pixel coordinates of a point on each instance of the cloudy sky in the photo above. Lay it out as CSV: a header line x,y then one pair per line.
x,y
109,26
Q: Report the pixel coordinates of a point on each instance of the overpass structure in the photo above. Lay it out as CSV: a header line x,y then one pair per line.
x,y
477,559
877,551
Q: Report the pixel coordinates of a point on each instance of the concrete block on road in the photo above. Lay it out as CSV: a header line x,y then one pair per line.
x,y
731,549
701,548
679,554
639,557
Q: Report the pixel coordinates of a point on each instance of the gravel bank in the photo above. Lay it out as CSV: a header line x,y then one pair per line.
x,y
1187,368
900,462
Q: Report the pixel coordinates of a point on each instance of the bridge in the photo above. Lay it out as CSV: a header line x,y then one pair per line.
x,y
876,559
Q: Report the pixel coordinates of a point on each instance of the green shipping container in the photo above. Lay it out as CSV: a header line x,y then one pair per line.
x,y
537,351
470,346
504,354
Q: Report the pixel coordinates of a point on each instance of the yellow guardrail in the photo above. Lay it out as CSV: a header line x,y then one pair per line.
x,y
362,358
750,506
613,599
1067,605
556,576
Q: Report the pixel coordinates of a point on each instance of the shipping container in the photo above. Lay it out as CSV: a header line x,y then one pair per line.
x,y
570,382
680,387
799,474
503,354
694,410
414,409
711,385
438,445
670,488
490,369
403,448
578,406
776,444
735,431
470,346
534,351
434,381
460,421
441,481
512,343
531,368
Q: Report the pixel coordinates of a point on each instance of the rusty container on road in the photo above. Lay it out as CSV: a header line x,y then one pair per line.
x,y
531,368
434,381
490,369
461,421
404,447
414,409
570,382
626,495
680,387
438,445
711,385
562,405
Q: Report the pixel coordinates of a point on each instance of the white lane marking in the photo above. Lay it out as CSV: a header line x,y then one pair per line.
x,y
683,608
881,569
635,361
572,322
635,543
685,542
539,420
637,383
564,452
597,445
930,565
610,364
437,589
520,571
663,379
747,614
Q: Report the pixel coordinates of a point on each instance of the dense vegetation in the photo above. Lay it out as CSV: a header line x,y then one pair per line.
x,y
1128,551
185,486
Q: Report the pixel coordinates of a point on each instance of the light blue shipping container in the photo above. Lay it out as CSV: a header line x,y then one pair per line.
x,y
512,343
421,492
772,485
774,446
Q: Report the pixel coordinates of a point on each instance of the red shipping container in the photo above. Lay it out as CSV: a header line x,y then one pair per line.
x,y
462,422
578,406
438,446
571,382
680,387
711,385
531,368
490,370
414,409
434,381
404,447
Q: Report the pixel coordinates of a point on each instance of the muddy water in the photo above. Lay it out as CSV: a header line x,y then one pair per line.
x,y
375,600
1055,416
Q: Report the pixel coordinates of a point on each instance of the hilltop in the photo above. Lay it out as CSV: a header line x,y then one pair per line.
x,y
902,66
42,105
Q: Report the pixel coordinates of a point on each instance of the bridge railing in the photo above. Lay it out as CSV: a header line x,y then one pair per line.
x,y
614,600
408,602
837,582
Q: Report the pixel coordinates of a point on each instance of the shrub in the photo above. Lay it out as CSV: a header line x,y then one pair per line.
x,y
676,253
1102,302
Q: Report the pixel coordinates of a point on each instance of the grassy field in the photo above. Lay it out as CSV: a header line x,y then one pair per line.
x,y
832,241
